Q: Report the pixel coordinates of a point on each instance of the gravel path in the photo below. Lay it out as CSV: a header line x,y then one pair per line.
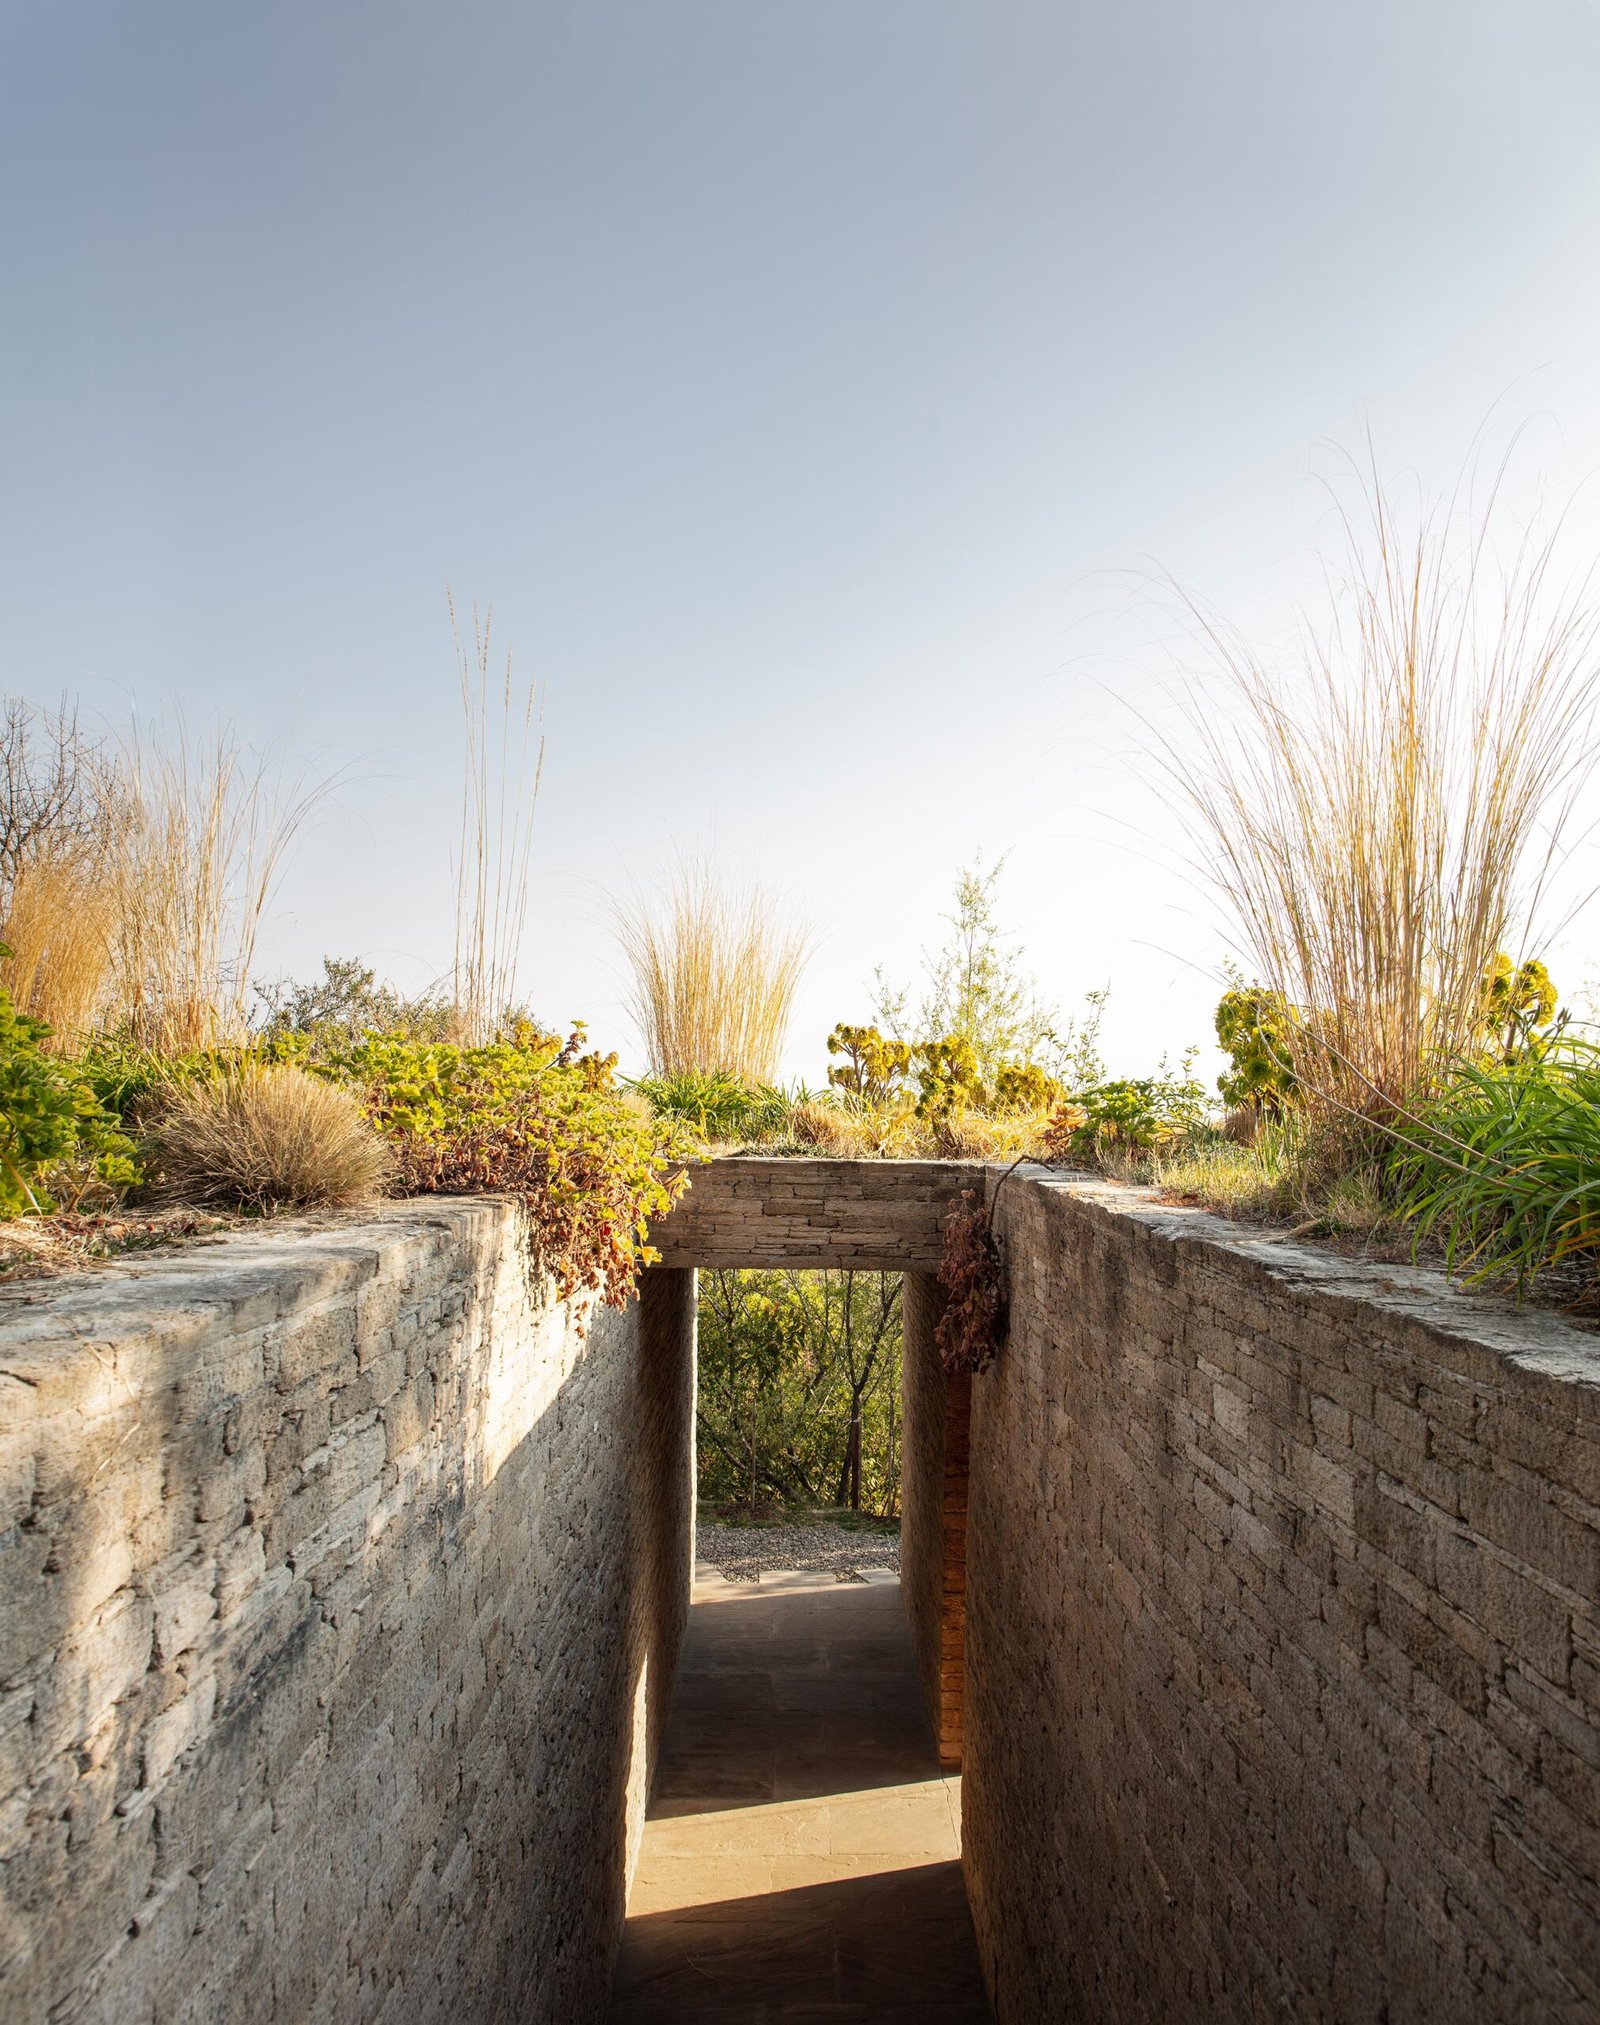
x,y
740,1553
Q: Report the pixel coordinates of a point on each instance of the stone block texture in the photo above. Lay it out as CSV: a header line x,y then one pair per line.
x,y
934,1512
813,1215
341,1582
1283,1670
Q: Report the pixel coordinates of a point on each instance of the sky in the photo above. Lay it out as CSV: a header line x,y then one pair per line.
x,y
813,392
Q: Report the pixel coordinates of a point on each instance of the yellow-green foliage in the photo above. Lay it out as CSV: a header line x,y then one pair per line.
x,y
1256,1028
874,1069
538,1118
1519,1008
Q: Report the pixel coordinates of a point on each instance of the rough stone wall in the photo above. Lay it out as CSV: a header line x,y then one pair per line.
x,y
1283,1674
812,1215
340,1587
933,1498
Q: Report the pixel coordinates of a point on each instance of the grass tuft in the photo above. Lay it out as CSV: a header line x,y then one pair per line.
x,y
714,972
263,1137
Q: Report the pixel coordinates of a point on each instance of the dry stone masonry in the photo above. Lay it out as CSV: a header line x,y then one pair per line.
x,y
342,1580
1283,1667
812,1215
933,1503
341,1584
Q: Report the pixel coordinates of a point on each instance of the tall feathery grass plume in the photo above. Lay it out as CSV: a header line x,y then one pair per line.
x,y
503,721
1393,805
57,899
202,832
713,969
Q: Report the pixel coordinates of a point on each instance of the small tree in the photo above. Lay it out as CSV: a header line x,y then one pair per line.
x,y
978,992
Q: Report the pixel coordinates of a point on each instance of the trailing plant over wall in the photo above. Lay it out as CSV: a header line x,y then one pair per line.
x,y
534,1117
973,1326
529,1115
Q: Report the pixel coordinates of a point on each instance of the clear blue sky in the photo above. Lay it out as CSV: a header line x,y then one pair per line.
x,y
788,378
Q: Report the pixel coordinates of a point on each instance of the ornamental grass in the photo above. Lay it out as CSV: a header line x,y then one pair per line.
x,y
1390,810
713,970
263,1136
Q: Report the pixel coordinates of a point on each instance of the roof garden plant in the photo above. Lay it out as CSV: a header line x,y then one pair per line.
x,y
58,1142
1385,811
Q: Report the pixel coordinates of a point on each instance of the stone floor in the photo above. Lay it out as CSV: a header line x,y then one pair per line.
x,y
801,1861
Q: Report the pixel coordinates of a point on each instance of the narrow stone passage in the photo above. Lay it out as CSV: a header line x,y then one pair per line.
x,y
801,1859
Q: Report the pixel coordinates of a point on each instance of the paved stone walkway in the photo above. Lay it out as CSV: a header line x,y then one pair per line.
x,y
801,1861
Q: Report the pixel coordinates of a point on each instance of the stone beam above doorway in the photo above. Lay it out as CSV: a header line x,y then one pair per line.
x,y
812,1215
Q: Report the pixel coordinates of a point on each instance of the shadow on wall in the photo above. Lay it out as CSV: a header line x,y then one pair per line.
x,y
343,1590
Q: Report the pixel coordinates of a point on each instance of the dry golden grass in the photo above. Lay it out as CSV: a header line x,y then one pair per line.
x,y
714,973
825,1127
1383,819
59,928
866,1132
505,760
134,879
39,1247
201,832
265,1137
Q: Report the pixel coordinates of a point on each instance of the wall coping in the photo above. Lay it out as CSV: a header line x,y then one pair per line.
x,y
1538,1344
236,1280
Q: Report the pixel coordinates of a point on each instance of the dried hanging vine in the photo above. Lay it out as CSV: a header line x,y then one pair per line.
x,y
973,1326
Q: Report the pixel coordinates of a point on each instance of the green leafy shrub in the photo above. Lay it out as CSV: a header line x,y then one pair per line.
x,y
535,1118
1255,1028
719,1105
1504,1167
1134,1114
57,1141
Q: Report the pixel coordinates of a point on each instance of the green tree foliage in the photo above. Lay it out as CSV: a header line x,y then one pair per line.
x,y
977,991
799,1389
348,1001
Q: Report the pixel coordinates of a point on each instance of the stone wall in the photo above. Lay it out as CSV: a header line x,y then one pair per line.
x,y
340,1589
933,1501
813,1215
1283,1674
